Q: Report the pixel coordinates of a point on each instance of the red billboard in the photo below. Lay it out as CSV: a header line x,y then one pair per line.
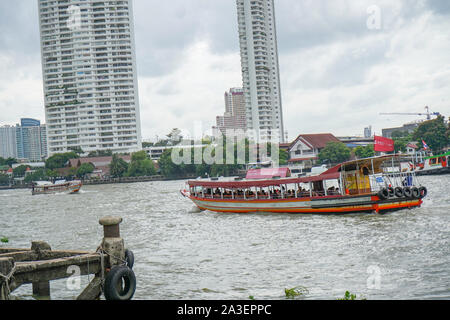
x,y
383,144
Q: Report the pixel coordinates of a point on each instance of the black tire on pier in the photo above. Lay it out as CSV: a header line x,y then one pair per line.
x,y
423,192
391,192
120,284
415,193
129,258
407,192
399,192
383,194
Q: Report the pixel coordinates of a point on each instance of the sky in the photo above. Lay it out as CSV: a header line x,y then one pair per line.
x,y
342,63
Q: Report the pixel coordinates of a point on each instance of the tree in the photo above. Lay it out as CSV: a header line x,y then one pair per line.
x,y
4,179
118,167
38,175
77,150
85,169
20,171
7,162
335,152
60,160
147,144
100,153
140,165
434,133
363,152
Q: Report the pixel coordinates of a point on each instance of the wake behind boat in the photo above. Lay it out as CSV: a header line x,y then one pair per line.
x,y
368,185
45,187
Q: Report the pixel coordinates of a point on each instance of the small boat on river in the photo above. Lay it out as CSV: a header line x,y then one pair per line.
x,y
368,185
45,187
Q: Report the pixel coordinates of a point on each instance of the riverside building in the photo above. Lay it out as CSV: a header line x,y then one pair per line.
x,y
260,69
89,73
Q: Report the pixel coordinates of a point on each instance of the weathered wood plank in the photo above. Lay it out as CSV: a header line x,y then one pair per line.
x,y
8,250
37,271
20,256
93,291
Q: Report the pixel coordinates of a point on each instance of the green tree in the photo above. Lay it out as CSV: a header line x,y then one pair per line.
x,y
363,152
77,150
20,171
60,160
84,169
118,167
140,165
335,152
100,153
38,175
147,144
7,162
4,179
434,133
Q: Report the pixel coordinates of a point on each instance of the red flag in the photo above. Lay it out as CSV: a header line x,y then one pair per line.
x,y
383,144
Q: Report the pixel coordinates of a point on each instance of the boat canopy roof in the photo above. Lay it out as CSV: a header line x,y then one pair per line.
x,y
331,174
439,156
261,183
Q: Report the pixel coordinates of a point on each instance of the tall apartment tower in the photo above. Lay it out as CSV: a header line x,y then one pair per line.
x,y
89,73
260,69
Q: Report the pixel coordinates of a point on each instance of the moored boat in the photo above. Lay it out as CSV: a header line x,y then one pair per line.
x,y
439,164
45,187
367,185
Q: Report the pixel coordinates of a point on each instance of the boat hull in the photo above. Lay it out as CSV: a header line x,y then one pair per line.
x,y
322,205
52,189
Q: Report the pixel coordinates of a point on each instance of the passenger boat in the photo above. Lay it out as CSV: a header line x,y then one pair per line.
x,y
439,164
45,187
368,185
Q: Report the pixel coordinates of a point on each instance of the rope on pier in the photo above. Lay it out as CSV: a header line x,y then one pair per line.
x,y
7,279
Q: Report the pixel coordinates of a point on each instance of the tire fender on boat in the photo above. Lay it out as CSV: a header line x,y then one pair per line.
x,y
407,192
383,194
113,284
399,192
423,192
415,193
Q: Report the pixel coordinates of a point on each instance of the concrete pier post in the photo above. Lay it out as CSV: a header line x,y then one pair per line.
x,y
41,288
112,243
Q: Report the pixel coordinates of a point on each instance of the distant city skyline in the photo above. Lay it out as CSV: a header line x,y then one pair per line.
x,y
345,61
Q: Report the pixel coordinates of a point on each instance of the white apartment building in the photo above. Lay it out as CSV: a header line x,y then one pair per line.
x,y
260,69
89,74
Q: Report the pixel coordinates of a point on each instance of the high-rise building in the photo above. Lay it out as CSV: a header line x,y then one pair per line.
x,y
234,116
30,139
8,144
260,69
26,140
89,73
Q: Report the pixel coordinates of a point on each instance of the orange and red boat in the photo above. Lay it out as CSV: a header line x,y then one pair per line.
x,y
367,185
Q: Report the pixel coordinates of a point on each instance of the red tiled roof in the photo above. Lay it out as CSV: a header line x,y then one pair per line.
x,y
96,161
317,141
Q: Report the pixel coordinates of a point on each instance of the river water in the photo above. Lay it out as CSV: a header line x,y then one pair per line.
x,y
182,253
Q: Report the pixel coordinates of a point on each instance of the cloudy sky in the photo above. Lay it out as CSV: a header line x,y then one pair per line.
x,y
340,65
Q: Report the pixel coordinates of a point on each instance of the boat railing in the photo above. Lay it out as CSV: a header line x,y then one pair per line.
x,y
394,180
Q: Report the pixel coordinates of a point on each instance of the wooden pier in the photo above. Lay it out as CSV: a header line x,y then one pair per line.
x,y
111,264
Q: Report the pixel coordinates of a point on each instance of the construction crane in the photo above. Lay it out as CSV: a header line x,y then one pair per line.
x,y
428,114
